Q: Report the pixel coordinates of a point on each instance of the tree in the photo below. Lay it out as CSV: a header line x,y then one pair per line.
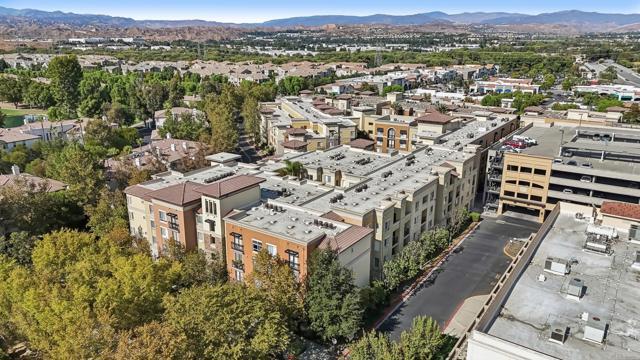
x,y
176,91
251,117
76,167
609,74
154,340
274,279
10,90
606,102
392,88
184,127
548,81
18,246
110,212
224,135
154,94
375,345
38,95
423,341
633,114
291,85
227,322
3,118
93,95
292,168
118,114
332,301
195,268
65,74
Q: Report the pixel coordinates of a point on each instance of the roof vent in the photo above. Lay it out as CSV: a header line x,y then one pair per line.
x,y
559,334
290,227
595,330
575,289
557,266
272,222
307,231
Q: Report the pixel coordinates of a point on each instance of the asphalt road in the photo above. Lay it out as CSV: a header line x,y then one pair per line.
x,y
247,150
625,74
472,271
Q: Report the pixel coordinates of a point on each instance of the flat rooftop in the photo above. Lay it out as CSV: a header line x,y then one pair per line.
x,y
612,294
200,176
291,192
470,132
293,223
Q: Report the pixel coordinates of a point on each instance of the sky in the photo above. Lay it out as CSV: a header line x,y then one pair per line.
x,y
261,10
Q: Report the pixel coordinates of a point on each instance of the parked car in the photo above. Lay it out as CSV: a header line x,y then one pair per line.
x,y
586,178
567,154
572,163
557,161
567,191
587,165
516,144
527,140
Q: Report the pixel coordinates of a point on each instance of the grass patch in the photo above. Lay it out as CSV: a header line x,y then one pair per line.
x,y
15,116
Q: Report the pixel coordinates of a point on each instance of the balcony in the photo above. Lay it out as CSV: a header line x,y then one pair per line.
x,y
174,226
237,247
294,266
237,264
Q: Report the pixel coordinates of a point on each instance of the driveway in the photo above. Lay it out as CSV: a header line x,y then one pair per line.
x,y
471,272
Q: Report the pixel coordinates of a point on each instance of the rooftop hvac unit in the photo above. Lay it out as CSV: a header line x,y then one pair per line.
x,y
607,231
557,266
597,244
595,330
576,288
559,334
636,261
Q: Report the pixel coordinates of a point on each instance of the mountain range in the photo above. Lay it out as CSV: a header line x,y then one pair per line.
x,y
585,20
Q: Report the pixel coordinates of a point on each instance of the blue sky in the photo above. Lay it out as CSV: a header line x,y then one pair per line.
x,y
260,10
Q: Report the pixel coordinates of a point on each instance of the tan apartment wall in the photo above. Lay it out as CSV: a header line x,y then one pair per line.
x,y
357,258
525,183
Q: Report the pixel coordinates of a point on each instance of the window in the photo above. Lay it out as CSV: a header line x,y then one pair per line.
x,y
424,199
526,169
376,262
212,225
386,225
128,199
522,196
509,193
199,219
272,250
164,233
162,215
210,207
524,183
200,240
257,245
153,224
238,275
536,198
174,235
512,167
131,215
540,171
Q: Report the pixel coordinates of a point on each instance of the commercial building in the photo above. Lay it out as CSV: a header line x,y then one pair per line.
x,y
581,165
572,294
504,85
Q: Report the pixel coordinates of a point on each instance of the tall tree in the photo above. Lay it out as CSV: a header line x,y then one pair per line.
x,y
65,74
10,90
332,301
176,91
224,134
154,340
93,95
273,278
227,322
155,94
251,117
110,212
375,345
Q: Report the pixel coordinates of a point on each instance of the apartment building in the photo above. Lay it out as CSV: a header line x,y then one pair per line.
x,y
292,233
582,165
571,117
31,132
323,128
571,295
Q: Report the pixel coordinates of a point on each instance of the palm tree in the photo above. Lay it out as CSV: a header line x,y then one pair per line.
x,y
292,168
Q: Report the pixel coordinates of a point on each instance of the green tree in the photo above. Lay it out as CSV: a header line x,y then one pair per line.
x,y
251,117
292,168
548,81
184,127
65,74
423,341
291,85
155,94
3,118
110,212
224,135
274,279
18,246
176,91
10,90
609,74
392,88
633,114
227,322
375,345
154,340
38,95
118,114
606,102
93,95
332,300
76,167
195,268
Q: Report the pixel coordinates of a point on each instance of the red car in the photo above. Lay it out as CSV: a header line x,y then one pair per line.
x,y
516,144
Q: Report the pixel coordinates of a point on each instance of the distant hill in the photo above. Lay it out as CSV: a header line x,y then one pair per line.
x,y
587,21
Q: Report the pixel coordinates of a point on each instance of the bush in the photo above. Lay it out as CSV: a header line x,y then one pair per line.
x,y
475,216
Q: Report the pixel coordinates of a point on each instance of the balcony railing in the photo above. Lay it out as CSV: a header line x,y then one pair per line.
x,y
174,226
237,247
294,266
236,264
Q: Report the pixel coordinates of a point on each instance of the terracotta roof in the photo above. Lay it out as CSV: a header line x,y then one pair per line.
x,y
296,131
179,194
139,192
331,215
367,93
434,118
322,106
295,144
333,111
51,185
361,143
345,239
305,92
265,110
229,185
536,109
343,97
626,210
617,109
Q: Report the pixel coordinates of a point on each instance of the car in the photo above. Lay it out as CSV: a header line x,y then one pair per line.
x,y
572,163
557,161
586,165
516,144
596,137
586,178
527,140
567,154
567,191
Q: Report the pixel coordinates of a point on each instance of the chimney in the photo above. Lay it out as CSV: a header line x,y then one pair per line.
x,y
138,162
15,169
173,147
184,146
168,135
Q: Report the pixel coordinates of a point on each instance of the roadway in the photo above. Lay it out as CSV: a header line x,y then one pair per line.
x,y
628,76
472,271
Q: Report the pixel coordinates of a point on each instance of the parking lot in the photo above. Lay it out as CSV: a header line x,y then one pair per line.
x,y
472,271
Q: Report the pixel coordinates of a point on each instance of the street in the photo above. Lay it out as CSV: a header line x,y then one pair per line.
x,y
472,271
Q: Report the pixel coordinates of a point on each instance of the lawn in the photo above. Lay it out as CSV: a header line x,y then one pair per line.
x,y
15,116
